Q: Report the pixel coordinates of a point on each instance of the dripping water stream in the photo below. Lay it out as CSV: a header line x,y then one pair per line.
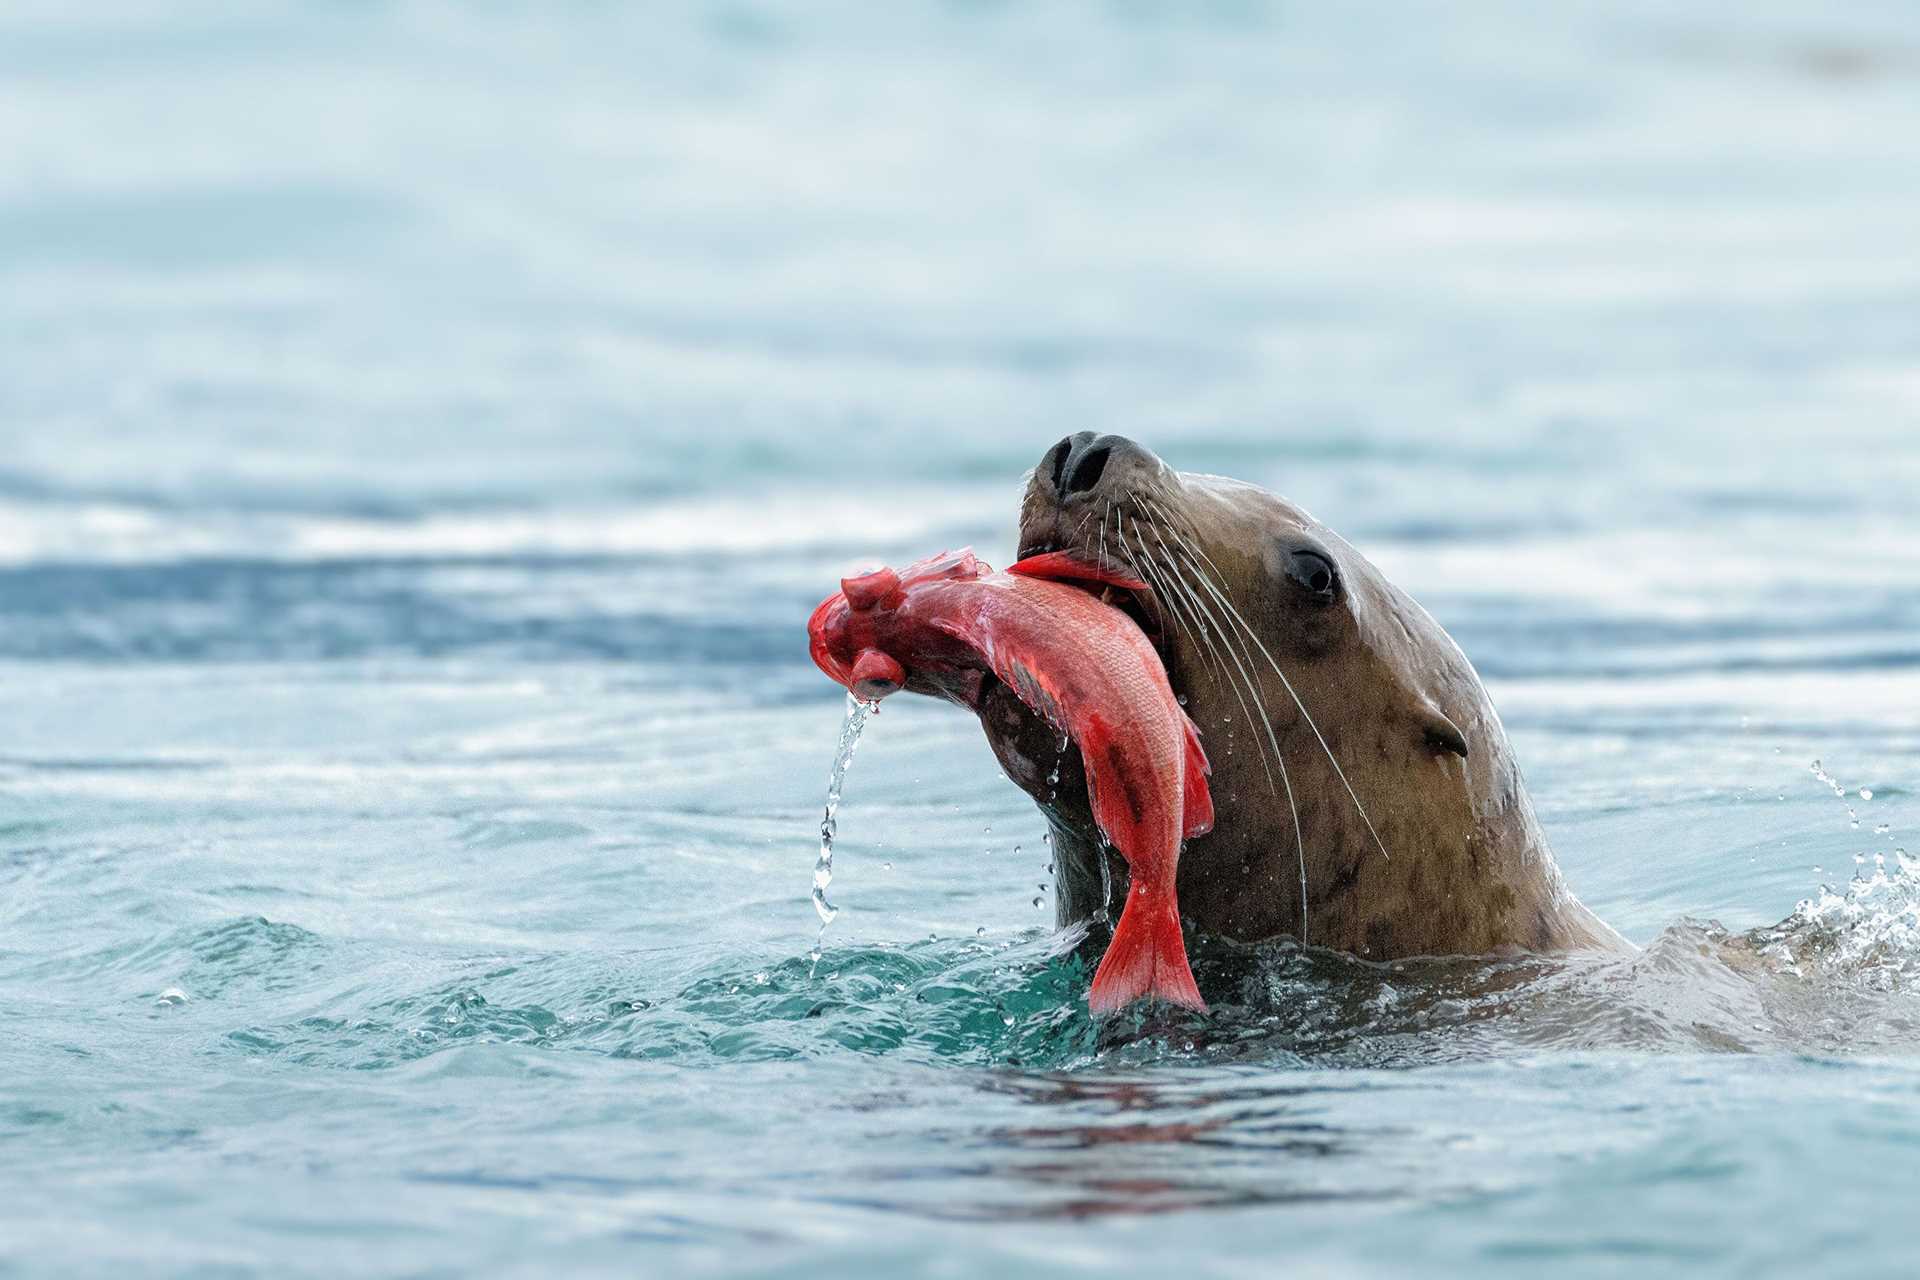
x,y
850,729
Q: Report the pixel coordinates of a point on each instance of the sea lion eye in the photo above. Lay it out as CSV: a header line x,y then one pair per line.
x,y
1314,572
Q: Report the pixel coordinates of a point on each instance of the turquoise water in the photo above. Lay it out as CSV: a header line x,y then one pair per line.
x,y
424,429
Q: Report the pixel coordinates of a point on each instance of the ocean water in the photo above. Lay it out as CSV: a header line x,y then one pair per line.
x,y
425,427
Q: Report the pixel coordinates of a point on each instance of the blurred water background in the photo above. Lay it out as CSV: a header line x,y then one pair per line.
x,y
424,428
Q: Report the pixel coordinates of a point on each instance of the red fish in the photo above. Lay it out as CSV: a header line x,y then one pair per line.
x,y
938,625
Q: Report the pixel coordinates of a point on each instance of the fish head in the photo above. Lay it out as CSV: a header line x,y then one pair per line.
x,y
859,637
840,635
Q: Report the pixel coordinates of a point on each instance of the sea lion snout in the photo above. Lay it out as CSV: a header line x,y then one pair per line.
x,y
1087,464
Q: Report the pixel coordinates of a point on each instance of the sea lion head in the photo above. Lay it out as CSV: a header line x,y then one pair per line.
x,y
1364,790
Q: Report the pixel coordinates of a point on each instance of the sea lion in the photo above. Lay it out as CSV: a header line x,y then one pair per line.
x,y
1366,797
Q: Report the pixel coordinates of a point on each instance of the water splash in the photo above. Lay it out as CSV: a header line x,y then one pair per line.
x,y
1871,926
850,729
1827,780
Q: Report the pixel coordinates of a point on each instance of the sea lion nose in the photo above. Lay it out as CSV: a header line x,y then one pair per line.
x,y
1078,463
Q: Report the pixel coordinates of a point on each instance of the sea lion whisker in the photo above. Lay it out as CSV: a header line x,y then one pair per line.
x,y
1173,523
1080,529
1107,511
1287,684
1156,575
1266,723
1235,650
1180,601
1210,626
1209,623
1142,566
1204,639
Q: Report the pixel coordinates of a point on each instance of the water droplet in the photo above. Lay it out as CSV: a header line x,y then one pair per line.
x,y
1016,848
886,866
1007,1018
1866,793
981,932
1882,829
1037,901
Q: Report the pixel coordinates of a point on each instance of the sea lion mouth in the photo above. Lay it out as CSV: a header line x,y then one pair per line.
x,y
1036,755
1140,604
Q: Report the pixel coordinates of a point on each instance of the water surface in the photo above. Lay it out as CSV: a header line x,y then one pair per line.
x,y
424,429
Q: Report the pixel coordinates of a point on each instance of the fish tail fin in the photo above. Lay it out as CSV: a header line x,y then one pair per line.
x,y
1147,957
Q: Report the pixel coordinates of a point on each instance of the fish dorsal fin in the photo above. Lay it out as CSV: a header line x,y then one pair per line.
x,y
1197,803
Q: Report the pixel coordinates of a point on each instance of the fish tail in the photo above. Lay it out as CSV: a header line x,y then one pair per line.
x,y
1147,957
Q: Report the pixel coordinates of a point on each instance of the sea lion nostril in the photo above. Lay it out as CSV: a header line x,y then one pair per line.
x,y
1061,456
1087,467
1054,465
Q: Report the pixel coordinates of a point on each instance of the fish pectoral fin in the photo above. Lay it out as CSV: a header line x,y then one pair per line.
x,y
1196,815
1012,664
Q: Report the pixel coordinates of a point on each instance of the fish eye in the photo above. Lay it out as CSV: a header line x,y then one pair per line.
x,y
1315,573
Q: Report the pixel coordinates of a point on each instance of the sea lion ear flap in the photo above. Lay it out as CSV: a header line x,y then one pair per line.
x,y
1440,733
